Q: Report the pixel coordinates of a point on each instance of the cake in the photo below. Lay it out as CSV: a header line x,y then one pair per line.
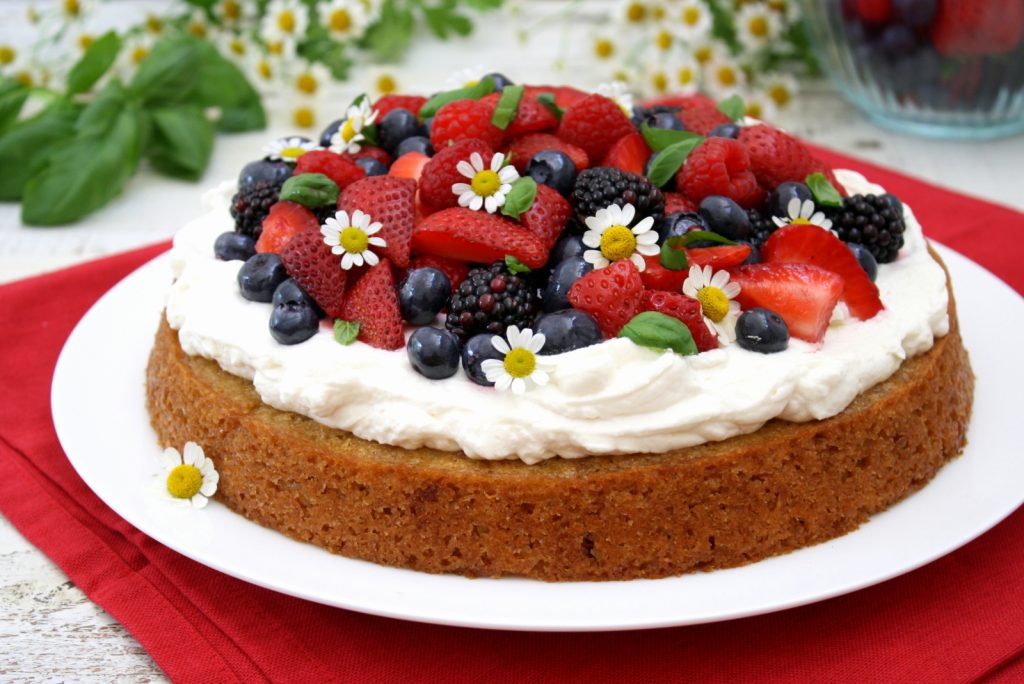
x,y
648,345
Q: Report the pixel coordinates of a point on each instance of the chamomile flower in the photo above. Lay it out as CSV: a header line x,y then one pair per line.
x,y
465,77
618,92
81,40
234,45
136,48
488,185
659,80
692,20
343,19
233,13
604,46
384,83
75,10
310,78
352,238
611,238
9,57
803,213
780,87
350,133
289,149
522,365
685,74
707,50
758,105
663,40
190,478
197,24
757,25
633,12
724,77
285,20
715,294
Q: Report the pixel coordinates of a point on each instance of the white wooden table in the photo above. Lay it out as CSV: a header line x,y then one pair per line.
x,y
49,630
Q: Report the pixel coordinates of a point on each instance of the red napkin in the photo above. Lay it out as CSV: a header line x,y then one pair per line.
x,y
961,618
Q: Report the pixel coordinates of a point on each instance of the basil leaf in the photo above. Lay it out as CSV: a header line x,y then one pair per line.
x,y
703,236
474,92
12,97
671,258
94,63
659,331
391,34
170,73
520,197
508,106
548,100
345,332
515,265
660,138
733,107
311,190
824,192
670,160
180,142
32,139
101,113
221,84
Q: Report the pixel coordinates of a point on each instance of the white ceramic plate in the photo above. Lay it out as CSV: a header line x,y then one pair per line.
x,y
98,409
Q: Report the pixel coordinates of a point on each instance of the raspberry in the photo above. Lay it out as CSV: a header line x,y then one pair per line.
x,y
342,171
308,259
490,299
702,119
440,173
595,123
464,119
775,156
388,103
720,166
678,202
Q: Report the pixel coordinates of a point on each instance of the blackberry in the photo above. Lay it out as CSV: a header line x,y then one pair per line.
x,y
251,204
602,186
874,221
761,227
490,299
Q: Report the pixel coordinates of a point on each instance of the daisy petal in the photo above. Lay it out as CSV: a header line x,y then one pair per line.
x,y
513,337
508,175
518,385
490,205
379,242
540,377
466,169
647,250
492,367
499,343
642,226
371,258
504,382
806,209
348,260
536,343
648,238
638,261
778,222
461,188
793,208
477,161
476,203
627,213
496,161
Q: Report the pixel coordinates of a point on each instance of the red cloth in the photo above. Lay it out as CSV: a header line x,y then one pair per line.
x,y
960,618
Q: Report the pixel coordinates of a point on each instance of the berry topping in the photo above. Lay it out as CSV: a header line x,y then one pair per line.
x,y
285,221
630,153
442,172
396,126
462,120
423,294
390,201
761,227
234,246
547,216
554,169
720,166
761,330
373,303
866,259
252,203
595,123
874,221
371,167
719,257
409,165
417,143
802,294
775,156
702,118
388,103
728,130
567,330
476,236
723,216
602,186
273,172
523,149
455,270
342,171
657,277
685,309
531,116
434,353
490,299
293,321
289,291
560,281
612,295
317,270
678,202
569,245
477,350
259,276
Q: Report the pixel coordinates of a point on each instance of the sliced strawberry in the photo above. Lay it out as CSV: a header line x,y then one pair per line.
x,y
804,295
455,270
476,236
595,123
676,202
308,259
565,96
441,173
685,309
373,302
389,103
392,201
612,295
547,216
522,150
630,153
409,165
808,244
531,116
657,277
336,167
718,258
694,101
285,221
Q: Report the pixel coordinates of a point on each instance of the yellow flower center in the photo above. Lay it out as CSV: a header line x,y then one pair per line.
x,y
713,302
33,15
85,41
154,24
197,29
659,81
304,117
264,69
780,94
354,240
754,109
519,362
286,21
658,12
7,54
663,40
685,76
703,54
636,12
485,183
25,79
758,26
470,84
72,8
617,243
276,47
340,20
726,75
292,152
386,84
237,46
231,10
139,54
307,83
348,130
604,48
184,481
691,16
801,222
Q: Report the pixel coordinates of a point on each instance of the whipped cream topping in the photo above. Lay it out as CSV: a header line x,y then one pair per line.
x,y
613,397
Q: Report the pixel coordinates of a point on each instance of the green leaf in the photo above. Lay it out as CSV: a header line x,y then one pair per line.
x,y
695,236
311,190
12,97
220,84
94,63
658,331
548,100
733,107
390,36
474,92
101,113
824,192
670,160
508,105
171,72
484,5
660,138
24,147
345,332
515,265
672,258
520,197
180,142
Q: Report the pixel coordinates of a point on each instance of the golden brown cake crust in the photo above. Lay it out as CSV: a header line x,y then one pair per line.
x,y
722,504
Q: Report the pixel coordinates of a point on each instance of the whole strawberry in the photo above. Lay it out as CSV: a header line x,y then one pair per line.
x,y
775,156
309,260
595,123
462,120
391,201
341,170
612,295
441,173
373,303
720,166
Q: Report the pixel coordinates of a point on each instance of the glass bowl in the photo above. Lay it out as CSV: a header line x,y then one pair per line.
x,y
942,68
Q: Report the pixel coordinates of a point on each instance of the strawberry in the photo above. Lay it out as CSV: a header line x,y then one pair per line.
x,y
657,277
775,156
476,236
378,153
373,302
819,166
595,123
701,119
389,103
978,27
440,173
695,101
464,119
565,96
547,216
678,202
531,116
522,150
630,153
612,295
685,309
874,11
455,270
804,295
308,259
720,166
392,201
808,244
285,221
409,165
336,167
718,258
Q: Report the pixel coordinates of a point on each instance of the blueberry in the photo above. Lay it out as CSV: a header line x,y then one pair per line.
x,y
867,259
425,127
567,330
916,14
423,294
897,41
679,223
396,126
371,166
293,322
260,275
232,246
274,172
434,352
416,143
725,217
665,120
762,330
500,80
779,198
289,292
729,130
477,350
569,245
755,254
563,276
554,169
328,133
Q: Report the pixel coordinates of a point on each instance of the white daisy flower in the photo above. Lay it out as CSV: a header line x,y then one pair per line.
x,y
285,19
465,77
233,13
289,149
663,40
605,45
724,77
780,87
692,20
236,46
633,12
758,105
189,477
9,57
343,19
310,78
380,80
707,50
613,240
802,213
487,186
523,366
617,92
353,238
685,74
75,10
197,24
715,294
350,133
757,25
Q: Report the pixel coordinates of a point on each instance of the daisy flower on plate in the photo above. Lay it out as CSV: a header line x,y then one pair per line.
x,y
725,77
522,365
487,186
757,25
804,213
285,20
612,239
715,294
189,476
350,133
692,20
353,238
758,105
618,92
780,87
289,149
685,75
343,19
